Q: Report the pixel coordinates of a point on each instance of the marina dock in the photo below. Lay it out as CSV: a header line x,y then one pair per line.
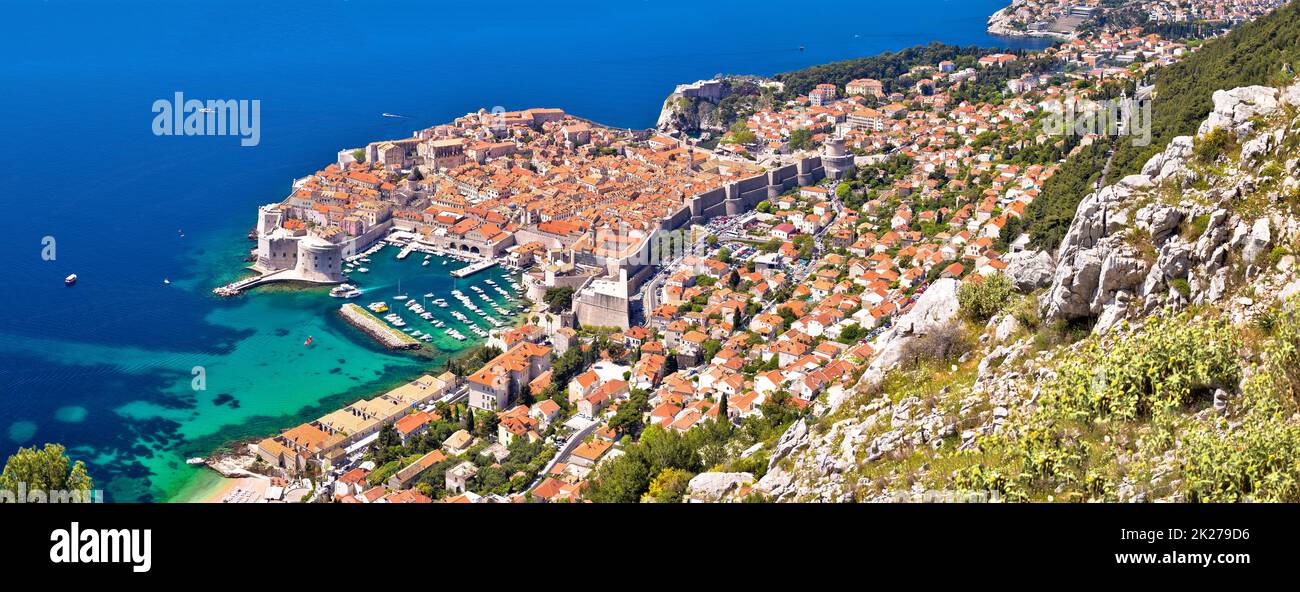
x,y
234,289
472,269
372,326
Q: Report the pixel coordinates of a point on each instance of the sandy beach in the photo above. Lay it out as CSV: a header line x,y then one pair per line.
x,y
210,487
238,491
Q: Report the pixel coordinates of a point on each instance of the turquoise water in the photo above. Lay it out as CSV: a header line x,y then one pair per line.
x,y
105,367
263,381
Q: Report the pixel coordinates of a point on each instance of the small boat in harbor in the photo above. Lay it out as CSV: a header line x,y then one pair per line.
x,y
198,460
71,279
345,291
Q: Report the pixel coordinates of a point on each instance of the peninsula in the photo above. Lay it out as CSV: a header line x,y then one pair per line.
x,y
859,273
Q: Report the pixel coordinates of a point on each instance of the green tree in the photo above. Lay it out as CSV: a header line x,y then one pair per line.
x,y
628,418
740,134
851,333
48,469
620,481
801,139
668,487
558,299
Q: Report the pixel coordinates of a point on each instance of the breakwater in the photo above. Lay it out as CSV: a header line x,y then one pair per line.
x,y
375,328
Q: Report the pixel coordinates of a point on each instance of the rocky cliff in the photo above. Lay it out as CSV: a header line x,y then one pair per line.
x,y
1151,357
711,105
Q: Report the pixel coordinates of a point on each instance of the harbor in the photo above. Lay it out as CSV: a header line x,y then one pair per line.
x,y
428,300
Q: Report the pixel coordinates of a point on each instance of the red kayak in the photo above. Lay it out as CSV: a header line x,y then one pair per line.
x,y
308,342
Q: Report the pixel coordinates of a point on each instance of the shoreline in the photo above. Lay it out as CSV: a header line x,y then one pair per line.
x,y
209,485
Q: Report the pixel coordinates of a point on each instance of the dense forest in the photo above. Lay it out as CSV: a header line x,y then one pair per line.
x,y
886,67
1264,51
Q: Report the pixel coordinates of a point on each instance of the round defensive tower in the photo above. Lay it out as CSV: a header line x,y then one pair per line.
x,y
836,161
319,260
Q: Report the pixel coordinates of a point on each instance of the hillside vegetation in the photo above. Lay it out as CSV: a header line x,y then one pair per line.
x,y
1262,52
886,67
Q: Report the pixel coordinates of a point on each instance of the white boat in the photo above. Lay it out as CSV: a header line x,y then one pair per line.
x,y
363,269
345,291
198,460
71,279
430,295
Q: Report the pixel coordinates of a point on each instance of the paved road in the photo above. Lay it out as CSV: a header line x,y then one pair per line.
x,y
564,452
649,292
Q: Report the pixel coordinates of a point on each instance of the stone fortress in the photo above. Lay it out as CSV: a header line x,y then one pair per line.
x,y
295,254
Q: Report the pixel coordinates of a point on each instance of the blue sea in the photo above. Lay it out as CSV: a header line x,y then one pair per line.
x,y
106,367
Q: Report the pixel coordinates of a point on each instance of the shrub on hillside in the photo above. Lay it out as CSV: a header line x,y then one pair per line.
x,y
1217,142
1169,359
979,301
941,343
1257,455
